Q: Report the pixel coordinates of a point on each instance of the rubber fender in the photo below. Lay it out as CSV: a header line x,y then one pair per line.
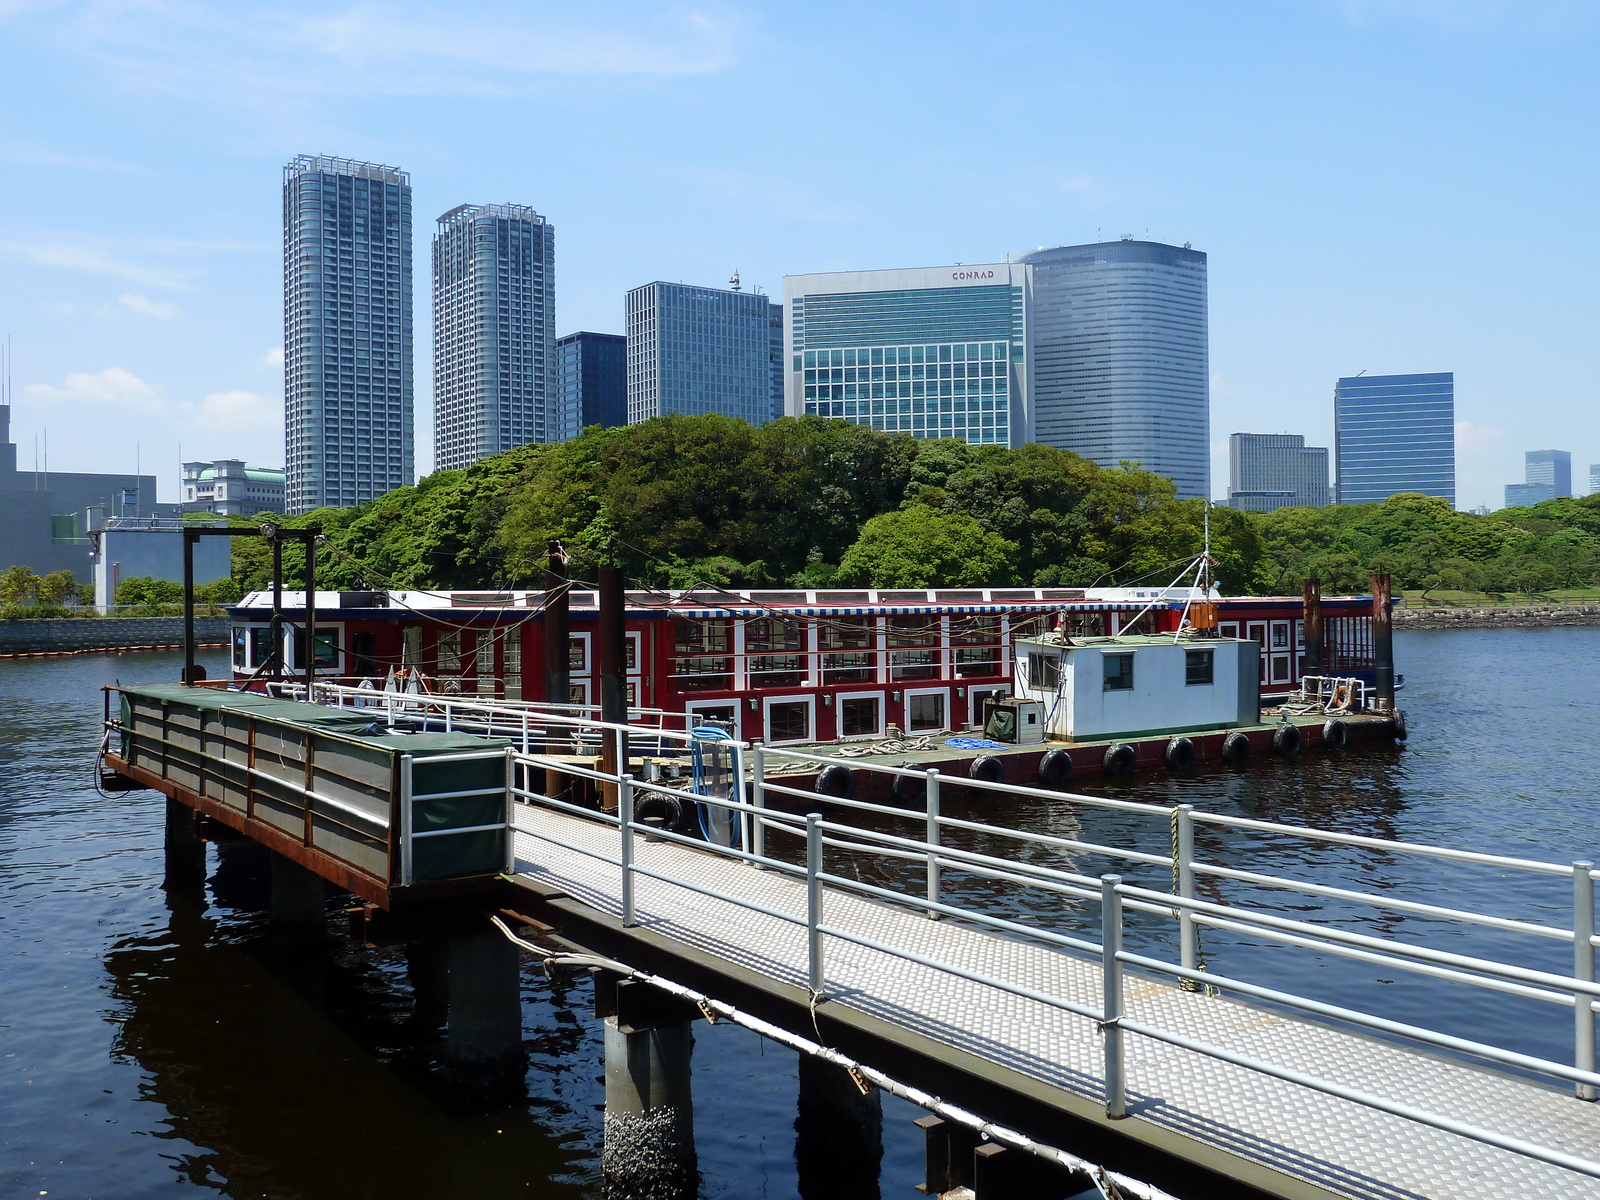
x,y
1055,767
1286,739
838,781
1398,723
987,769
1335,734
1236,748
1119,759
909,789
658,804
1180,754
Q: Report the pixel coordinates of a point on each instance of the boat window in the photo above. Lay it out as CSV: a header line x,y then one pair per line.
x,y
450,651
1118,672
1198,666
702,647
920,662
858,716
925,711
774,647
364,649
1044,670
789,721
578,655
241,659
852,640
977,643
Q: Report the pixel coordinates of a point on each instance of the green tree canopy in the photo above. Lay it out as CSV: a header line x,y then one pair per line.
x,y
918,546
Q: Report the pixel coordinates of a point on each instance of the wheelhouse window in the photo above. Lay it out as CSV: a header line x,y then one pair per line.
x,y
1044,670
977,645
450,652
1198,667
848,654
860,716
913,648
326,653
702,662
775,649
1118,672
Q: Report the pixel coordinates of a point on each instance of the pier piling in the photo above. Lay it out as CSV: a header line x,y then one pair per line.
x,y
299,898
483,1022
838,1149
649,1124
185,852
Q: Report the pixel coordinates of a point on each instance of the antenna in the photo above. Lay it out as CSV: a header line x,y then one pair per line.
x,y
733,281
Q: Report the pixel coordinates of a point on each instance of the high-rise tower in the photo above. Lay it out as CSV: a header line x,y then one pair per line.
x,y
696,350
1120,356
347,331
494,310
1394,433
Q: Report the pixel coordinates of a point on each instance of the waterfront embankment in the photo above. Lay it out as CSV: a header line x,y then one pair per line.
x,y
80,635
1529,616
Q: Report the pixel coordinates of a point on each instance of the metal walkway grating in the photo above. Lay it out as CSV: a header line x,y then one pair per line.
x,y
1343,1147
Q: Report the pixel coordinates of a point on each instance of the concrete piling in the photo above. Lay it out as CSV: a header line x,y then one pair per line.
x,y
299,899
838,1148
649,1124
185,853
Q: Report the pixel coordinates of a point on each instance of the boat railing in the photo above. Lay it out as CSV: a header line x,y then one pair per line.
x,y
812,849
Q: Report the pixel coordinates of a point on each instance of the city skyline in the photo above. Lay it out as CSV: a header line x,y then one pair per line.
x,y
144,328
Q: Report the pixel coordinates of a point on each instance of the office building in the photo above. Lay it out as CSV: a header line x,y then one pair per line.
x,y
591,382
494,307
1120,366
1394,433
930,351
775,333
347,331
1594,478
1267,471
230,488
1546,474
697,350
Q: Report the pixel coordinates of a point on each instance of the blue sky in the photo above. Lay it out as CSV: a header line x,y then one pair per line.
x,y
1381,185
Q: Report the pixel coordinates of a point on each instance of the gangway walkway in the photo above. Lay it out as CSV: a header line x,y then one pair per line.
x,y
1344,1148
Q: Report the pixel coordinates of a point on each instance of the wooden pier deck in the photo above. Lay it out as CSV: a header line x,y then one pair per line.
x,y
1284,1139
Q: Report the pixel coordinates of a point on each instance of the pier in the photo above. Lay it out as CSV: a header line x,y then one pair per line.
x,y
1055,1058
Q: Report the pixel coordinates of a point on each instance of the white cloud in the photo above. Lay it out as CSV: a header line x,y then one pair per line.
x,y
237,412
146,307
273,357
96,260
1476,440
113,386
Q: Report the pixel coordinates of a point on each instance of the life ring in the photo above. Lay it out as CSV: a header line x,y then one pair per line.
x,y
1397,724
654,805
1055,767
1343,695
1119,759
838,781
1286,739
1180,754
1335,734
987,769
1236,749
909,789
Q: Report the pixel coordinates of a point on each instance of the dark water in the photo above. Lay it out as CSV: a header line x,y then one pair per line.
x,y
150,1047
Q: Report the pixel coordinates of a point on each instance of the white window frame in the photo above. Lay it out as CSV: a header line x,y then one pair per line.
x,y
975,697
809,699
588,654
883,714
293,633
735,703
1228,629
1284,627
906,708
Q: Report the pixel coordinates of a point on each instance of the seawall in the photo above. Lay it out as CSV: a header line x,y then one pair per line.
x,y
1531,616
81,634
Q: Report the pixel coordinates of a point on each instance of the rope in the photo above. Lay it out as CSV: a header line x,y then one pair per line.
x,y
888,746
1186,985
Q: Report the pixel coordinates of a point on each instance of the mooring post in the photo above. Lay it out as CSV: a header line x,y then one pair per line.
x,y
185,852
299,898
1583,970
1383,643
1183,852
1111,970
649,1149
557,635
932,838
838,1147
189,671
483,1023
1311,593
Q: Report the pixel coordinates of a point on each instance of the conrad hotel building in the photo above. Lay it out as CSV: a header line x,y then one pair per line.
x,y
930,351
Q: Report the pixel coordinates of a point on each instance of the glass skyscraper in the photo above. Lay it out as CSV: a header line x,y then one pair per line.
x,y
1269,471
347,331
494,308
930,351
697,350
1395,433
1120,366
591,382
1546,474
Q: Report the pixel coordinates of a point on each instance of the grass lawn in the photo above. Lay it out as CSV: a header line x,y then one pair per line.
x,y
1438,598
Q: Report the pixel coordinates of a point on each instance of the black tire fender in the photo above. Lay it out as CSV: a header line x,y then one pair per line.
x,y
1055,767
1119,759
1335,734
1180,754
1398,723
910,789
1236,748
654,804
838,781
1286,739
987,769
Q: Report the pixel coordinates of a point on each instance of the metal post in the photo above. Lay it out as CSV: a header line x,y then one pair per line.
x,y
405,820
1111,970
1583,970
613,638
737,794
1188,950
758,799
932,839
814,904
625,814
189,539
557,637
